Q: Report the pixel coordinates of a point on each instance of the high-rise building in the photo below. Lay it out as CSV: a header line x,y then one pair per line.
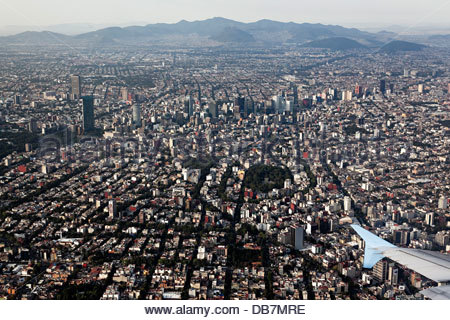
x,y
88,113
124,93
289,106
347,203
276,102
75,81
293,236
358,91
401,237
141,217
248,106
429,218
376,133
32,125
295,93
213,109
443,203
299,236
405,72
189,106
416,280
442,238
17,99
239,102
112,209
393,274
348,95
383,86
137,120
333,93
420,88
279,104
380,270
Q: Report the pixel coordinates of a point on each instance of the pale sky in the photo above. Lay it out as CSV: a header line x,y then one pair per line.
x,y
349,13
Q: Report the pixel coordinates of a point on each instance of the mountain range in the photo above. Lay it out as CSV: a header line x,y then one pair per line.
x,y
337,43
215,31
396,46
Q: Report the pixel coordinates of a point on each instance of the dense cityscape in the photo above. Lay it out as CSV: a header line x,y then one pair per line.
x,y
219,172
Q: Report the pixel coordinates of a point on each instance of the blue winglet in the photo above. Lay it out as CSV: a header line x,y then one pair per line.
x,y
373,246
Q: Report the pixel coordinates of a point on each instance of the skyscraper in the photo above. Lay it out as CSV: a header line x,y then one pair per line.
x,y
295,93
383,86
443,203
420,88
75,81
358,91
279,104
347,95
248,106
299,236
380,270
124,93
293,236
213,109
289,106
393,274
429,218
189,106
240,103
347,203
88,113
137,121
112,209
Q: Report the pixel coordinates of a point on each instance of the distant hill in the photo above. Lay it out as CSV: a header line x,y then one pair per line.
x,y
222,30
37,38
387,33
399,46
337,43
440,37
439,40
232,34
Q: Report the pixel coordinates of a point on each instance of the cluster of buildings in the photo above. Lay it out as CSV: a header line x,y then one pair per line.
x,y
128,178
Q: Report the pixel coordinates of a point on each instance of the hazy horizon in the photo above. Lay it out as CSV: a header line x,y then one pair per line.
x,y
79,28
402,14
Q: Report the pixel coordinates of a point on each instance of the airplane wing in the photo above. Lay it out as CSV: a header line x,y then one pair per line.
x,y
374,246
433,265
437,293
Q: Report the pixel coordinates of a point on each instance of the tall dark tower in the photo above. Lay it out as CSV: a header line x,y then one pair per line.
x,y
248,106
383,86
240,101
295,93
358,91
88,113
213,109
189,106
75,82
137,120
